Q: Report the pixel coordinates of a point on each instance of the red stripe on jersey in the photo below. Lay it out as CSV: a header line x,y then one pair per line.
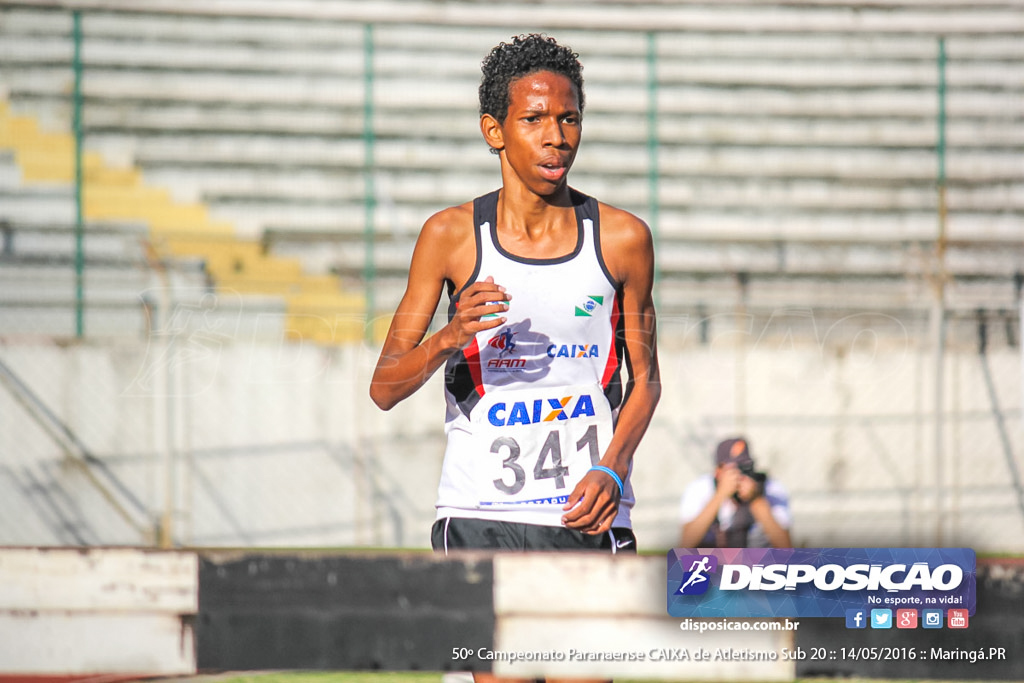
x,y
612,364
472,354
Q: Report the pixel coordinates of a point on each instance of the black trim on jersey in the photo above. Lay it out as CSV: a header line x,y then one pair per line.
x,y
589,208
584,206
457,377
613,392
480,213
597,242
459,382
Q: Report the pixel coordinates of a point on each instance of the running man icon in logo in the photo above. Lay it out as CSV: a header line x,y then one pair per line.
x,y
697,578
503,342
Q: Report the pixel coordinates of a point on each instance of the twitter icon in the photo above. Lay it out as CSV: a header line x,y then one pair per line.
x,y
881,618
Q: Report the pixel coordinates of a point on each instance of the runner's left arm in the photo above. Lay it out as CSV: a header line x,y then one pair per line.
x,y
629,254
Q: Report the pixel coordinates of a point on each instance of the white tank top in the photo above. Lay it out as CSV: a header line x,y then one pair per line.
x,y
531,405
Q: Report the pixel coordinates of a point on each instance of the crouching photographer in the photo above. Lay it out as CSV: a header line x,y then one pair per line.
x,y
735,507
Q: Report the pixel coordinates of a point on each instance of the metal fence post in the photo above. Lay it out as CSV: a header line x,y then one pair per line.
x,y
76,106
369,185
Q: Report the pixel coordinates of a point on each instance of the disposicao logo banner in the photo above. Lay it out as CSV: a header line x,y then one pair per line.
x,y
817,582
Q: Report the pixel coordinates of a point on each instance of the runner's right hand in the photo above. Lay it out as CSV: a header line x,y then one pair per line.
x,y
477,300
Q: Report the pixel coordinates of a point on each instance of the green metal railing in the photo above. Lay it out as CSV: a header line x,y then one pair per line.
x,y
76,106
653,167
370,269
370,191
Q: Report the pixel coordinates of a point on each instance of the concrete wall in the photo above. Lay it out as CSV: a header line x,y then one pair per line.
x,y
231,443
111,611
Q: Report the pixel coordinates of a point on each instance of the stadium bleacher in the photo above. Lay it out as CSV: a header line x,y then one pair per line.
x,y
765,135
786,156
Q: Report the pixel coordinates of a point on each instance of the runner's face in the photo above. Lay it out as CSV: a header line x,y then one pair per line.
x,y
542,130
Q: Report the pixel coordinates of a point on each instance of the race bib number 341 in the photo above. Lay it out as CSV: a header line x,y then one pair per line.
x,y
532,447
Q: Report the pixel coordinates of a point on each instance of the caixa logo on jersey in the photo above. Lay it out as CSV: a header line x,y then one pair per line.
x,y
817,582
554,409
574,351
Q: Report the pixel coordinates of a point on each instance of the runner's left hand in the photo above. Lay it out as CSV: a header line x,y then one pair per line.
x,y
593,504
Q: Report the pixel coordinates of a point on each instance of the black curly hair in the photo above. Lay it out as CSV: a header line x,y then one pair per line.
x,y
526,54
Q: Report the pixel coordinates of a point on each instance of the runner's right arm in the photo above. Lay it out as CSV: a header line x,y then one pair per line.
x,y
407,361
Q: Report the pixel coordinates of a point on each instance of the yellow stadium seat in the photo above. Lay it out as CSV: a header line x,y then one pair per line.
x,y
317,308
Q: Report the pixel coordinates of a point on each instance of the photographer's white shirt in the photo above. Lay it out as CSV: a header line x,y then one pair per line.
x,y
699,493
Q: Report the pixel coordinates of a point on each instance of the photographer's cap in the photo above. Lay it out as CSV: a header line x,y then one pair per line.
x,y
735,451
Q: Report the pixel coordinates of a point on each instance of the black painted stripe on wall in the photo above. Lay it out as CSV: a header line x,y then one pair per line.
x,y
405,612
342,611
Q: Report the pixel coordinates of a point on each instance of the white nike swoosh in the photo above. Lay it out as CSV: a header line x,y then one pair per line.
x,y
623,544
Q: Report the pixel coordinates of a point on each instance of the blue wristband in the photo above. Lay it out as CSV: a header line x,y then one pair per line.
x,y
610,472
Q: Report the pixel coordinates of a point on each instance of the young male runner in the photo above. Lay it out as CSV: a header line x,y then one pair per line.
x,y
550,296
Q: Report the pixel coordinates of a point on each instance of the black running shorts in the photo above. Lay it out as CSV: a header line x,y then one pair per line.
x,y
457,533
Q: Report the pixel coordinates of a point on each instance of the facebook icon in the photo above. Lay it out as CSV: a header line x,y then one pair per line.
x,y
856,618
